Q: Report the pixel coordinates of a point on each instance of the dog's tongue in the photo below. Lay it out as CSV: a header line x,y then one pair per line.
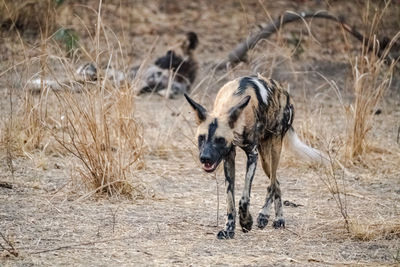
x,y
208,166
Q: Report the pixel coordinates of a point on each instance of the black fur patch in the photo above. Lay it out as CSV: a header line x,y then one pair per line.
x,y
243,84
247,82
288,115
169,61
251,159
270,194
193,40
273,83
186,70
269,89
229,188
211,129
229,171
201,140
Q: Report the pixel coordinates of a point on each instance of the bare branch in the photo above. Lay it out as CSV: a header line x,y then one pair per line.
x,y
239,53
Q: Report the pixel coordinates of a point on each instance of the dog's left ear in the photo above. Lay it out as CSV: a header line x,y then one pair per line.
x,y
201,112
235,112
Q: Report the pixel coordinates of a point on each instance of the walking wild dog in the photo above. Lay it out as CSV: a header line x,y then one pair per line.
x,y
255,114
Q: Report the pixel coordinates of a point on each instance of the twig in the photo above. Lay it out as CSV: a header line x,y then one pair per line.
x,y
216,180
6,185
98,189
80,244
293,232
9,137
10,250
332,185
239,53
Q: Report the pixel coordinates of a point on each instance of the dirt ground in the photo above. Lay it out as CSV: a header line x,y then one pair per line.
x,y
51,220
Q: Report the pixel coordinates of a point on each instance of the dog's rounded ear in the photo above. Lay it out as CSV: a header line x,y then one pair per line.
x,y
201,112
235,111
193,40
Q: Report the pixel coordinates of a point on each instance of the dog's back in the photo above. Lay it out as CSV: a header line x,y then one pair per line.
x,y
269,111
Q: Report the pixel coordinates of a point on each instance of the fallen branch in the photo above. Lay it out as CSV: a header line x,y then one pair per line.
x,y
239,53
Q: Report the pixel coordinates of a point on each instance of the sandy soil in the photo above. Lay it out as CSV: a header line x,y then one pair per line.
x,y
51,220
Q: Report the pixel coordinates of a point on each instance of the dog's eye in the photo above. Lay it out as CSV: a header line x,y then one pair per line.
x,y
220,141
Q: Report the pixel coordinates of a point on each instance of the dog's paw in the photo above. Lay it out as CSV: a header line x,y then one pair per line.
x,y
262,220
280,223
246,223
223,234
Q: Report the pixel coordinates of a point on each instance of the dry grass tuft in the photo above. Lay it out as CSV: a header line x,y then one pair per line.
x,y
100,130
335,182
31,123
25,132
372,75
369,231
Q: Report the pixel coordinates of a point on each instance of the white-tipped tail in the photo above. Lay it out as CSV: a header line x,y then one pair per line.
x,y
304,151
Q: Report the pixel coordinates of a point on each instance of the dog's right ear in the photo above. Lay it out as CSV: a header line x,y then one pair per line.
x,y
201,112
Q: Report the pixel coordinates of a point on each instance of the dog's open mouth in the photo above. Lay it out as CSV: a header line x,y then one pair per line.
x,y
209,166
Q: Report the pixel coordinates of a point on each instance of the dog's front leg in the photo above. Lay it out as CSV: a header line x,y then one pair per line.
x,y
229,170
246,221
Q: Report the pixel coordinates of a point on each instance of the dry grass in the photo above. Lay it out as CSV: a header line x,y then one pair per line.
x,y
372,76
25,132
99,129
366,231
96,126
37,15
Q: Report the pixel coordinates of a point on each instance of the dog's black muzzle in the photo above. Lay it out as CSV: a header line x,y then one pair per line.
x,y
211,156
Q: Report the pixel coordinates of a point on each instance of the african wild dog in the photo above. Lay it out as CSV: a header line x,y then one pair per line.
x,y
254,114
170,75
177,68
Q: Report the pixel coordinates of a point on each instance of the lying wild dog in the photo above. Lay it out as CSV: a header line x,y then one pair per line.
x,y
170,75
177,68
255,114
183,64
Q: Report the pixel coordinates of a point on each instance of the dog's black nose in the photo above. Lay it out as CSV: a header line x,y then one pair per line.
x,y
205,158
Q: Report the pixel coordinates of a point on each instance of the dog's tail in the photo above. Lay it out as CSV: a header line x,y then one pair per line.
x,y
304,151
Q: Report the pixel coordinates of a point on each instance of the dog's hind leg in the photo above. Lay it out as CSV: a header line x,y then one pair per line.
x,y
246,221
229,170
270,153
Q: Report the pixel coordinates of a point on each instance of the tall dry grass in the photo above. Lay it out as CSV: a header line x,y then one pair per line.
x,y
372,76
94,123
100,130
372,72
